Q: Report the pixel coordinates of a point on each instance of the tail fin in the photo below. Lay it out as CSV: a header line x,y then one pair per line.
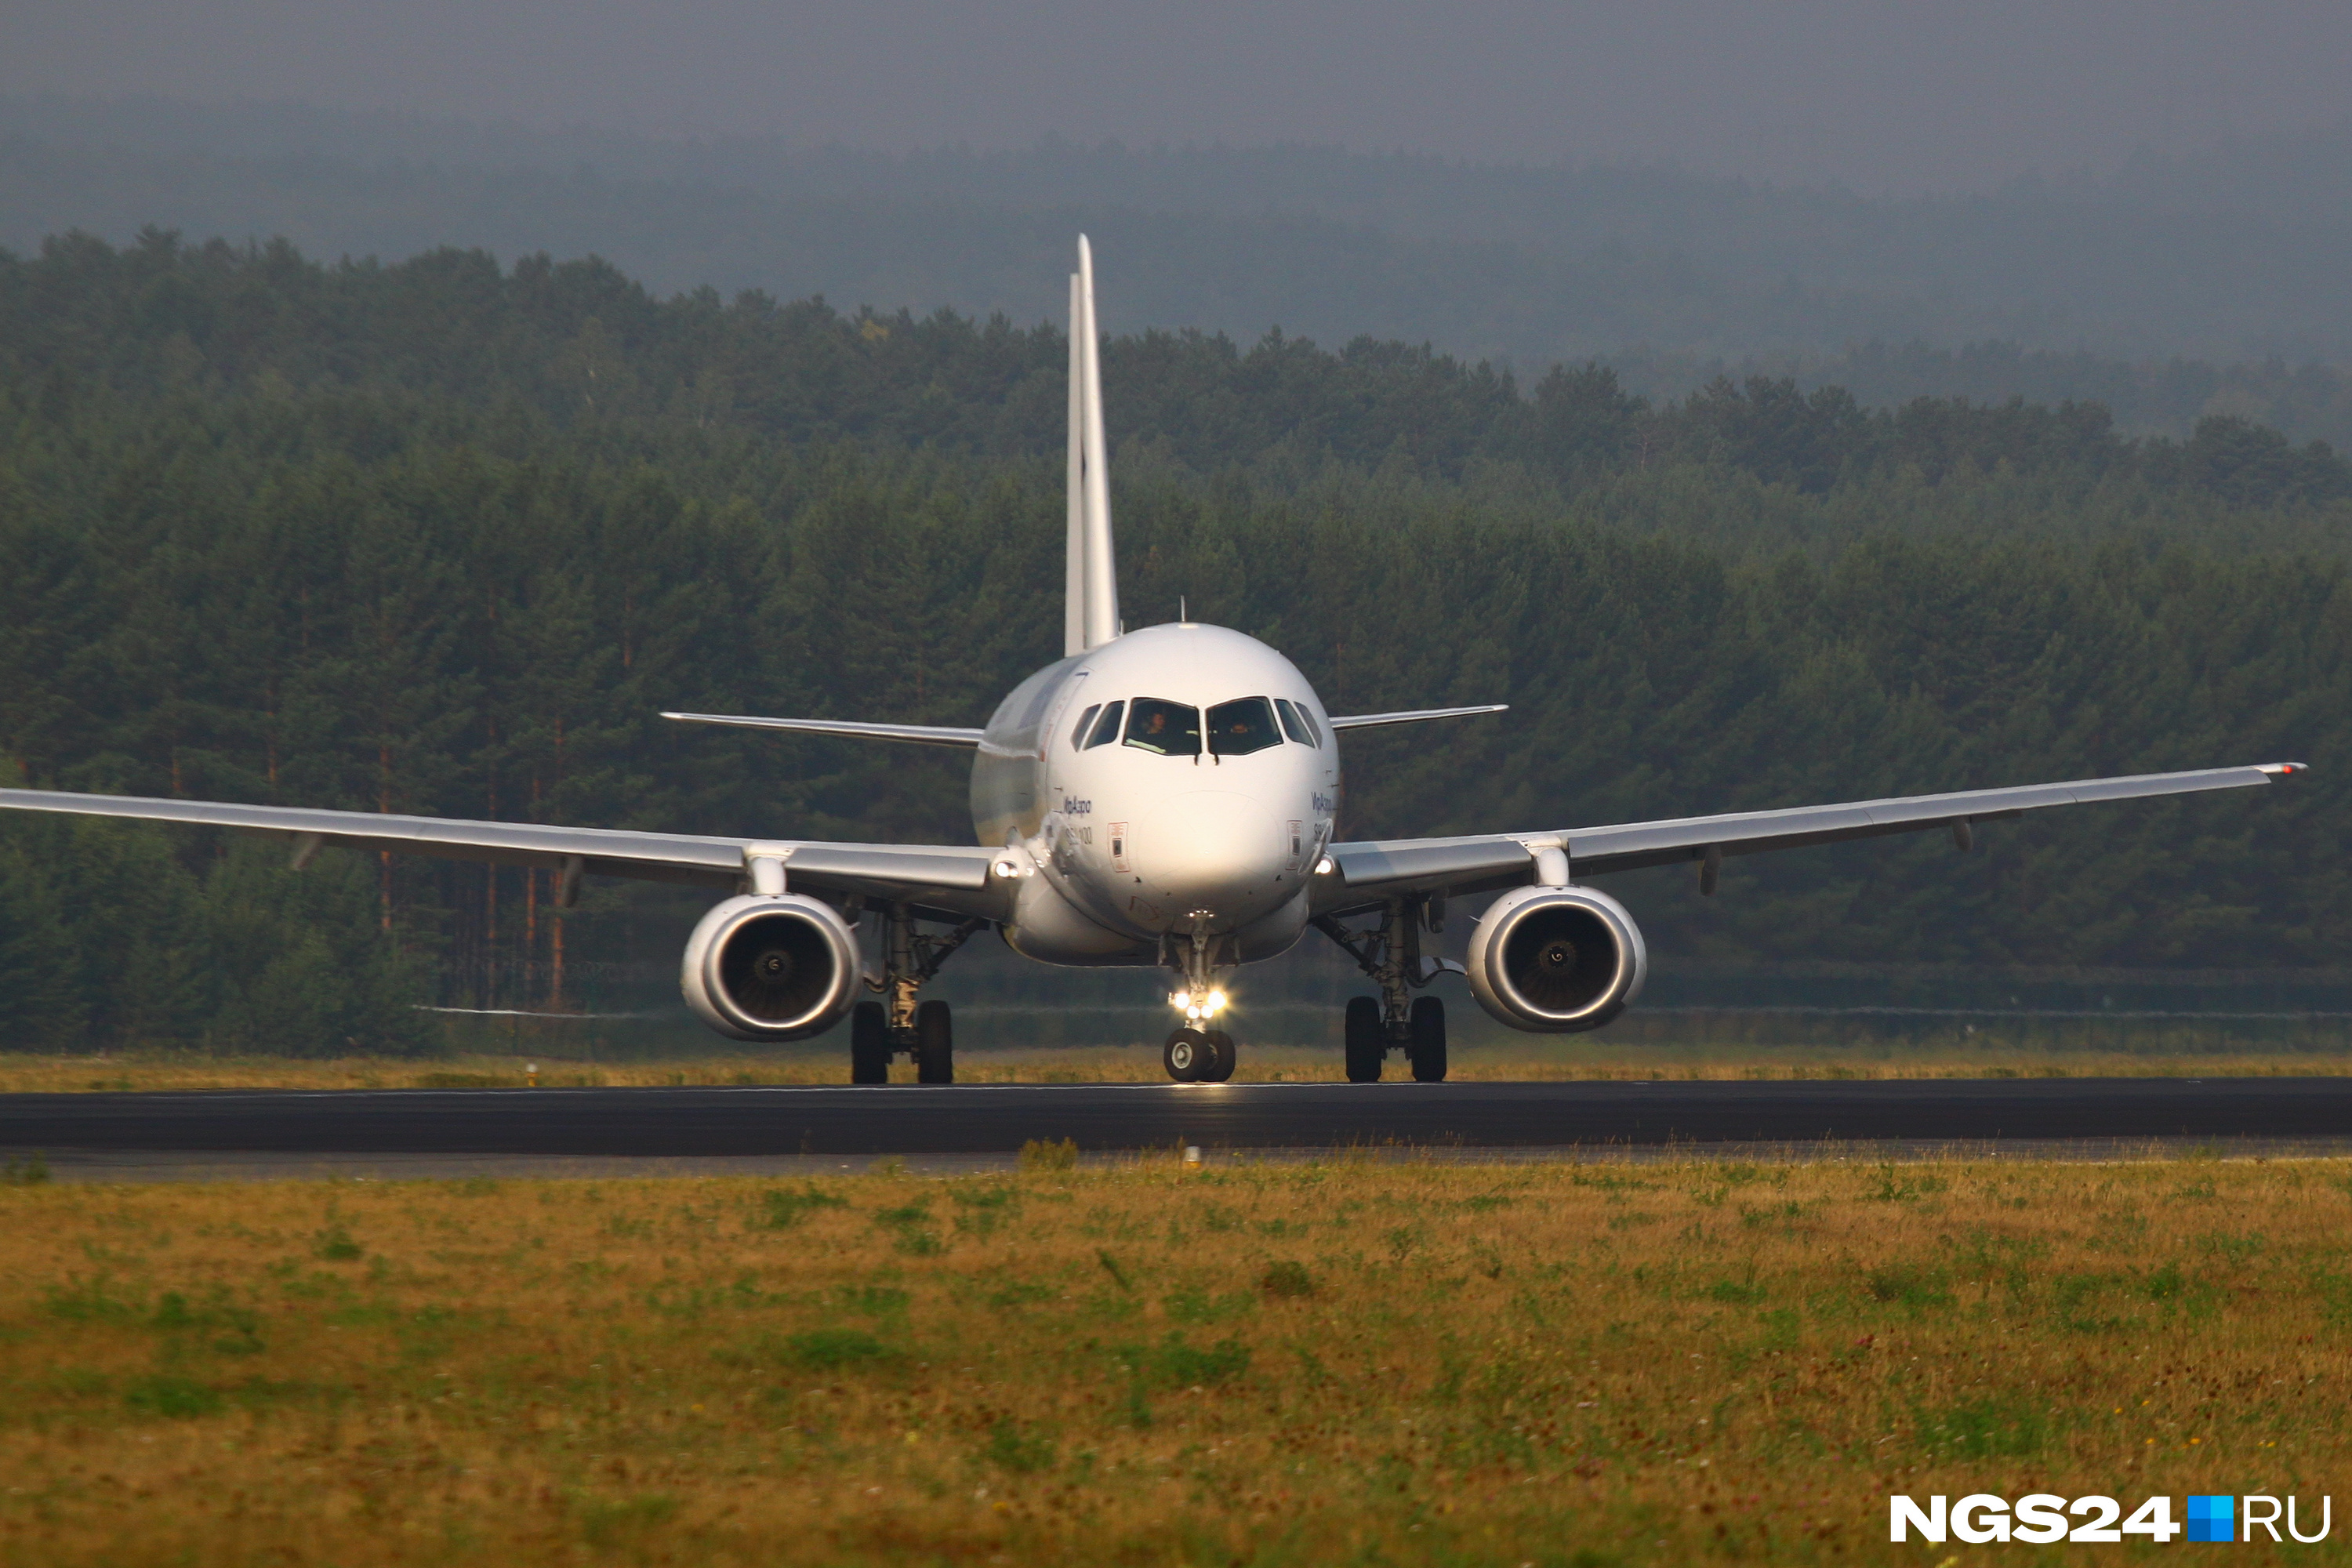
x,y
1090,585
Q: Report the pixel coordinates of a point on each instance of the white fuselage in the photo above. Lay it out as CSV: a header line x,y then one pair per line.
x,y
1145,825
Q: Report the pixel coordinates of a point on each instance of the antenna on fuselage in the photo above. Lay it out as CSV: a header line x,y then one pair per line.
x,y
1090,581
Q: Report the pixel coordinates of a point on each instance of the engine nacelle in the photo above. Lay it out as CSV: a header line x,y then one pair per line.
x,y
770,968
1558,960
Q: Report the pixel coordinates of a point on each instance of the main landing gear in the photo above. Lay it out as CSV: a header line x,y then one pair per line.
x,y
1396,1020
1198,1051
898,1025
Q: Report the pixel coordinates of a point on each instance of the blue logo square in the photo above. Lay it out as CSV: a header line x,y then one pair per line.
x,y
2212,1519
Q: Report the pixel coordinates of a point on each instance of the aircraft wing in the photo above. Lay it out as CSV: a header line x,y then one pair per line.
x,y
1363,873
954,878
1411,716
920,734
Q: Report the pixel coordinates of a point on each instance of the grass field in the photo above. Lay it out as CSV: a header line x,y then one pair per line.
x,y
826,1062
1336,1363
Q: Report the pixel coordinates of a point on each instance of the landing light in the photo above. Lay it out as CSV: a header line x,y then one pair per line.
x,y
1197,1006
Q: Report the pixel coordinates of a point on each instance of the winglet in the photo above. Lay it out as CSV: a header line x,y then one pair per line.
x,y
2281,770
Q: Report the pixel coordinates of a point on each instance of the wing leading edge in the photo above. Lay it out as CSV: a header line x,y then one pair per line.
x,y
951,878
1361,873
920,734
1411,716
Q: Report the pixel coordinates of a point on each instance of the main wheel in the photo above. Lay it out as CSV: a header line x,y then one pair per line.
x,y
934,1043
1188,1054
1367,1040
1220,1064
869,1043
1428,1050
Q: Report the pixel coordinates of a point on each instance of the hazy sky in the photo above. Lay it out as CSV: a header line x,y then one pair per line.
x,y
1881,94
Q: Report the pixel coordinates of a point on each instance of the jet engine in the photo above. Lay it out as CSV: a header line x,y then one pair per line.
x,y
770,968
1557,960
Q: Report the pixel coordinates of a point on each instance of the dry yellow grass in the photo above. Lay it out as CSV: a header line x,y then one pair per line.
x,y
824,1063
1337,1363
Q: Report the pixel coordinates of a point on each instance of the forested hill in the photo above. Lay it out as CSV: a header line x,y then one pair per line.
x,y
578,343
434,538
2173,290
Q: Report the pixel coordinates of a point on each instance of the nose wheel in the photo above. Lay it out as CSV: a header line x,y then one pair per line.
x,y
1199,1056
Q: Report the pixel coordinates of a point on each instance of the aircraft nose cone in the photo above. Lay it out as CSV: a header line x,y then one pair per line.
x,y
1211,849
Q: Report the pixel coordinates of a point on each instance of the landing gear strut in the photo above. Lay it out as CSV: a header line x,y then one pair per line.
x,y
1198,1051
899,1024
1390,951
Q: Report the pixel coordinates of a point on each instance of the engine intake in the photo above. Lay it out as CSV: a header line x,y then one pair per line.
x,y
1558,960
770,968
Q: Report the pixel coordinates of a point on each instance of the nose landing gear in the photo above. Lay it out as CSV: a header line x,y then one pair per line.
x,y
1198,1051
1199,1056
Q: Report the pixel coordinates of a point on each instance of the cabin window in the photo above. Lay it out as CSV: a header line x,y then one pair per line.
x,y
1171,729
1078,733
1295,721
1107,726
1242,726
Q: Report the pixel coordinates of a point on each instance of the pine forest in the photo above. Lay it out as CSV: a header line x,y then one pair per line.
x,y
443,537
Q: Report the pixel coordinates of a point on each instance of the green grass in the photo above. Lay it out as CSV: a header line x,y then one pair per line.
x,y
1348,1362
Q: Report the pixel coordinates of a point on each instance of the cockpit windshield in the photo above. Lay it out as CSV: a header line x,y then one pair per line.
x,y
1171,729
1106,728
1242,726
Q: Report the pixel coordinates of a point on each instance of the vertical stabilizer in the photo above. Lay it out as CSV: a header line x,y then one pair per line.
x,y
1074,580
1093,566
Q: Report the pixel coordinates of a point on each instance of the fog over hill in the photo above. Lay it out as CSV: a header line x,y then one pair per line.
x,y
2171,288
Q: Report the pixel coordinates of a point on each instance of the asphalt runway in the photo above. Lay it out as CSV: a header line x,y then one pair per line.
x,y
706,1123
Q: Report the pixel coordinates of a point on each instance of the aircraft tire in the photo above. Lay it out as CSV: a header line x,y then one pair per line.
x,y
1221,1065
1428,1050
934,1043
1187,1056
869,1043
1367,1040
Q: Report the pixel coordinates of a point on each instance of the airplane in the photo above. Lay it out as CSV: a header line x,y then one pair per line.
x,y
1166,798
